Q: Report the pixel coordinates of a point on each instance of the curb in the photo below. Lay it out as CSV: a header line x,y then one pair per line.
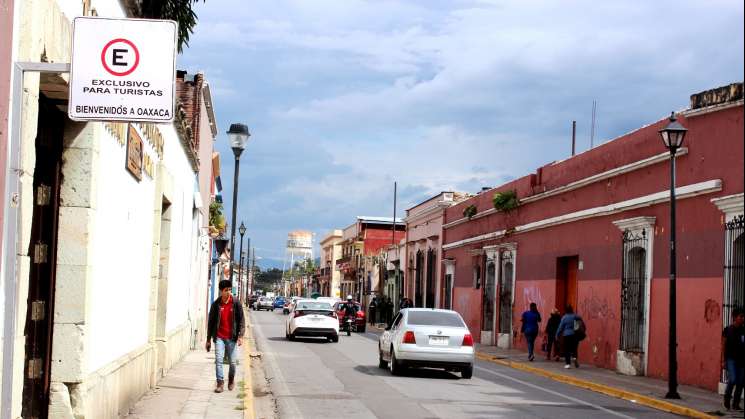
x,y
248,400
601,388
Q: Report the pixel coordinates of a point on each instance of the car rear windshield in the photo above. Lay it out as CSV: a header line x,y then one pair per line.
x,y
313,305
435,318
343,306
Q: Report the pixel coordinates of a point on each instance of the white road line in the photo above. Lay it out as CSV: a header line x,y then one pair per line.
x,y
555,393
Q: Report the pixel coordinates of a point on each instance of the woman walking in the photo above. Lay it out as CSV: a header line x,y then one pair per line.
x,y
569,339
530,328
551,327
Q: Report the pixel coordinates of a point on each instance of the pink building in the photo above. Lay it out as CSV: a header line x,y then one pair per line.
x,y
424,284
593,231
6,52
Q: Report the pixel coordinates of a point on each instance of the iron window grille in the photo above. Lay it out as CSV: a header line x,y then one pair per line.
x,y
633,290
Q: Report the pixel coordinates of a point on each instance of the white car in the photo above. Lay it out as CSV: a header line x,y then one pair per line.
x,y
312,318
423,337
264,303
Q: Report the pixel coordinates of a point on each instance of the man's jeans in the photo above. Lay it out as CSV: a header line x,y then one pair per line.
x,y
735,378
222,345
530,337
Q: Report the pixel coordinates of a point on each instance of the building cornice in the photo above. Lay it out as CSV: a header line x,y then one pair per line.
x,y
730,205
640,164
682,192
635,223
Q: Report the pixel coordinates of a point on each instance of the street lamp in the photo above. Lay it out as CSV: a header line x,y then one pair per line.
x,y
242,231
672,136
238,135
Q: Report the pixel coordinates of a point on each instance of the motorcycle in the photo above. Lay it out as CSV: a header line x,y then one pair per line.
x,y
349,324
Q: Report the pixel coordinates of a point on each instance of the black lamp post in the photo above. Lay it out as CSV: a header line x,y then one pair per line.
x,y
672,136
238,135
242,231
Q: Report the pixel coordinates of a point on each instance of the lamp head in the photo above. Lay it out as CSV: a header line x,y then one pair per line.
x,y
238,135
673,134
242,229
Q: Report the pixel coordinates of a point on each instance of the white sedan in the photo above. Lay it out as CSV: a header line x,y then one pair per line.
x,y
312,318
423,337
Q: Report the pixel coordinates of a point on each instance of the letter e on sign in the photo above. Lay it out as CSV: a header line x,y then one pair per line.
x,y
123,70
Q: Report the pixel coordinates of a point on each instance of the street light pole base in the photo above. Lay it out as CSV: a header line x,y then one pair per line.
x,y
672,395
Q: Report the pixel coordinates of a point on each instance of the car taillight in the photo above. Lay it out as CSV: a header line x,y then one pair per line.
x,y
298,314
360,314
331,314
409,337
467,340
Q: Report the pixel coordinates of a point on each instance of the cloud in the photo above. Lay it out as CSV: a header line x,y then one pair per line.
x,y
344,97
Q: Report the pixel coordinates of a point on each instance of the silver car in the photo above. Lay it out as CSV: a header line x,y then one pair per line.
x,y
423,337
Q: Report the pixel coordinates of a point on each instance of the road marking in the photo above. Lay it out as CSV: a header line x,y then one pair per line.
x,y
555,393
248,388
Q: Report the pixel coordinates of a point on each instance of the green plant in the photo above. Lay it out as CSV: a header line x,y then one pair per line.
x,y
470,211
182,11
217,219
506,201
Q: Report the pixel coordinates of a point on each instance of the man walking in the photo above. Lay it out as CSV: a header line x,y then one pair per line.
x,y
733,358
225,327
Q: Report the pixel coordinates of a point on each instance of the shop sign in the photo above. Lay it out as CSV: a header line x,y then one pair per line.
x,y
134,153
122,70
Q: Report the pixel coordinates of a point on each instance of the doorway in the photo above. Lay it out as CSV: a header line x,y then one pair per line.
x,y
566,282
43,255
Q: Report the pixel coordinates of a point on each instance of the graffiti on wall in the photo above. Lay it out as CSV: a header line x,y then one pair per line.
x,y
711,311
532,294
594,307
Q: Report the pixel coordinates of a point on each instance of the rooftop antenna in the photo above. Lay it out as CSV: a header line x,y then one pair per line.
x,y
574,135
592,128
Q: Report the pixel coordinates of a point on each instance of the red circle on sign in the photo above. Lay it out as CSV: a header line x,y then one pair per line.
x,y
117,73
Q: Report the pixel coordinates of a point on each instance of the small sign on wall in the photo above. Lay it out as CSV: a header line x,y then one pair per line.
x,y
134,153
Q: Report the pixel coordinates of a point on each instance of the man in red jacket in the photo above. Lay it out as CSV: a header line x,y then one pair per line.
x,y
225,327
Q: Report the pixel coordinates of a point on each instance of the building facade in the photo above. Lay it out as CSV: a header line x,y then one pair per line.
x,y
328,274
592,231
105,259
425,284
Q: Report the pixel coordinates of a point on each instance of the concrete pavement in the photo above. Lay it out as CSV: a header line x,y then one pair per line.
x,y
186,392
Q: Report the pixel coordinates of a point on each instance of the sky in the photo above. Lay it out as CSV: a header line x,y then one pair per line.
x,y
344,97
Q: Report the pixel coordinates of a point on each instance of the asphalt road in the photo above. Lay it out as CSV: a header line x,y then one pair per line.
x,y
311,378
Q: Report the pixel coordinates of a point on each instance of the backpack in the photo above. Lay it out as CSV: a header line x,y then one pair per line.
x,y
580,331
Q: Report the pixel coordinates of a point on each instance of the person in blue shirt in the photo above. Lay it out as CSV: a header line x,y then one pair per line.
x,y
569,342
530,328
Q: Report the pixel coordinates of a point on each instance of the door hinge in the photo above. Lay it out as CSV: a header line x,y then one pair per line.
x,y
43,195
37,310
40,253
34,368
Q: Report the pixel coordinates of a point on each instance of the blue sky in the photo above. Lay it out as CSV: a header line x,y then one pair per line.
x,y
343,97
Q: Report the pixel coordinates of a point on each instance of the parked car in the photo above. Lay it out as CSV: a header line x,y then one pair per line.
x,y
340,308
265,303
279,302
423,337
312,318
252,299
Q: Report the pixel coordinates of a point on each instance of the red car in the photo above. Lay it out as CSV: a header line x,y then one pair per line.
x,y
340,308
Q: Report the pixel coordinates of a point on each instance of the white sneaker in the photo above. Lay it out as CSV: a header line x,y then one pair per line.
x,y
567,366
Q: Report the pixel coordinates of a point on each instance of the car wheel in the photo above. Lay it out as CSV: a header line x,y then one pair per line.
x,y
291,336
394,365
334,338
361,330
382,363
467,372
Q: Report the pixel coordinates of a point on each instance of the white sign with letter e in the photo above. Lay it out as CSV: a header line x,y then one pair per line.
x,y
122,70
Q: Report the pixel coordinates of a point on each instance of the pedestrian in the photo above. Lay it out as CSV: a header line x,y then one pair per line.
x,y
225,327
733,358
372,310
551,327
570,331
388,310
405,303
530,328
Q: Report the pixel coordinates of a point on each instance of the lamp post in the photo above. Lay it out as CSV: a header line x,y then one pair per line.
x,y
242,231
238,135
672,136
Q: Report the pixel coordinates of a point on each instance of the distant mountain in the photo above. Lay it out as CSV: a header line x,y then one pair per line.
x,y
269,263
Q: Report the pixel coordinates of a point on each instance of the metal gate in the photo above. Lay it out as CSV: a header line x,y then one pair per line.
x,y
505,293
633,291
734,280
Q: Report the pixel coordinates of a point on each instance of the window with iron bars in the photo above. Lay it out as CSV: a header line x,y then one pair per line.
x,y
633,290
734,280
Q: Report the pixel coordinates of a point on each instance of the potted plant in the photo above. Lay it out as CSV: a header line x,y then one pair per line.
x,y
470,211
217,220
505,201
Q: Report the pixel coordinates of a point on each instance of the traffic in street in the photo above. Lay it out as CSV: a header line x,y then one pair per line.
x,y
317,377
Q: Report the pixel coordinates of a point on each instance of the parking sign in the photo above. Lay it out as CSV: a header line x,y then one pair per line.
x,y
122,70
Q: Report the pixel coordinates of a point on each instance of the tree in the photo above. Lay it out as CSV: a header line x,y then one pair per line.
x,y
179,10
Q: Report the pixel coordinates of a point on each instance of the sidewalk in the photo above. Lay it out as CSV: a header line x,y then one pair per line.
x,y
186,392
694,402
